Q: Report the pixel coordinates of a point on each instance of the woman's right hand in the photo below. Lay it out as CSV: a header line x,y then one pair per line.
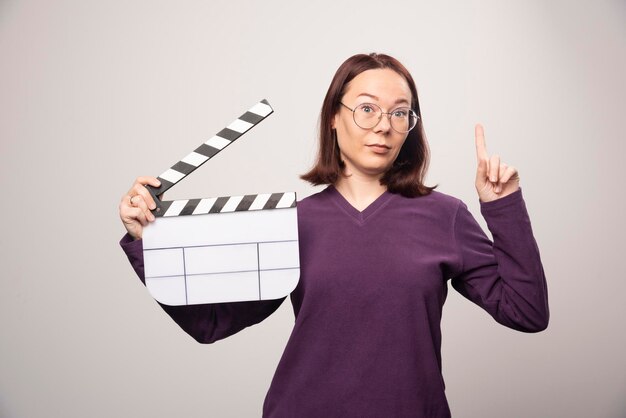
x,y
136,205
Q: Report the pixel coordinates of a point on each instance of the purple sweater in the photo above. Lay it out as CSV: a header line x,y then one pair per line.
x,y
367,339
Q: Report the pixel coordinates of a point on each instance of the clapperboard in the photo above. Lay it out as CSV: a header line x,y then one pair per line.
x,y
221,249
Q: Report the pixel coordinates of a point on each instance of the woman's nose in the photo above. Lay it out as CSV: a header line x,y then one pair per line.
x,y
384,125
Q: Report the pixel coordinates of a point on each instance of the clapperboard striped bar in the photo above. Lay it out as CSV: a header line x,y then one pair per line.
x,y
227,204
210,148
235,248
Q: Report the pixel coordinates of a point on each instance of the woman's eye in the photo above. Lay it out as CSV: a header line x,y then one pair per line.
x,y
400,113
367,109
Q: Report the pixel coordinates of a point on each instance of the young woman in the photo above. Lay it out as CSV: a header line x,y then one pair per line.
x,y
377,248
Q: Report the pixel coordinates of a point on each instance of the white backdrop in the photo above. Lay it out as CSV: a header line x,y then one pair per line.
x,y
95,93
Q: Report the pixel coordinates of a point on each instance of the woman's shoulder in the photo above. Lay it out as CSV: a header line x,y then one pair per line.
x,y
433,214
435,201
316,199
439,197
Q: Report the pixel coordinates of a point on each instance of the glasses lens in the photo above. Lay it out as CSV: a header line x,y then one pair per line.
x,y
403,119
367,115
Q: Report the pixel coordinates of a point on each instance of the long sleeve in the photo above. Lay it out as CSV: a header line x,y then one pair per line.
x,y
506,277
206,323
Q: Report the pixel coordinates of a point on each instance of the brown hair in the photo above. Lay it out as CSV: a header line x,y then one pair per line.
x,y
406,175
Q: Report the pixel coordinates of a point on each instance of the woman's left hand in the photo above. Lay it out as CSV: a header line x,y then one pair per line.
x,y
494,179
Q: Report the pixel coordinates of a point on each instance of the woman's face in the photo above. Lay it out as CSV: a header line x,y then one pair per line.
x,y
370,152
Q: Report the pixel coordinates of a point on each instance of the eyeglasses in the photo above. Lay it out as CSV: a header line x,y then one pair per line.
x,y
368,115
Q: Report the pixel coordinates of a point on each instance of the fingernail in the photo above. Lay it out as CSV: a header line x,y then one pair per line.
x,y
498,188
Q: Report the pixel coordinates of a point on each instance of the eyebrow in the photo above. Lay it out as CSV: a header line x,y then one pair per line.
x,y
377,98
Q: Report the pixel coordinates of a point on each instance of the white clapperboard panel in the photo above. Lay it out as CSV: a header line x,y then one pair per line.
x,y
224,249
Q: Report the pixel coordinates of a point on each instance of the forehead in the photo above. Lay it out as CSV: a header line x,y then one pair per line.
x,y
385,84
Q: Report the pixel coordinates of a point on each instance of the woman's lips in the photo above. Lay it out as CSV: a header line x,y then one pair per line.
x,y
379,149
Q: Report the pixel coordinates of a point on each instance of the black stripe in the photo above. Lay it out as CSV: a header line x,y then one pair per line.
x,y
183,167
229,134
273,200
252,118
246,202
163,187
189,207
219,204
164,207
206,150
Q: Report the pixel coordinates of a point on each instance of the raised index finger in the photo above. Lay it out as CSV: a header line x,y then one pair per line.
x,y
481,148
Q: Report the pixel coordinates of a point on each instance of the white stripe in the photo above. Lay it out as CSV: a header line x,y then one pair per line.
x,y
232,203
261,109
218,142
260,201
195,159
204,206
240,126
175,207
286,200
172,176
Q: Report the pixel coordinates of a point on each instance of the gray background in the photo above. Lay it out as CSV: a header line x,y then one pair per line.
x,y
95,93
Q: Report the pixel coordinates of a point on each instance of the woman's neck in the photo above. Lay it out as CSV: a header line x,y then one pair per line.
x,y
360,191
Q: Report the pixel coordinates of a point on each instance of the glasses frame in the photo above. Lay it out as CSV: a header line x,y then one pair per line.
x,y
380,117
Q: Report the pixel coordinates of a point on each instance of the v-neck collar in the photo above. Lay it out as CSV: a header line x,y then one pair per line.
x,y
360,216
